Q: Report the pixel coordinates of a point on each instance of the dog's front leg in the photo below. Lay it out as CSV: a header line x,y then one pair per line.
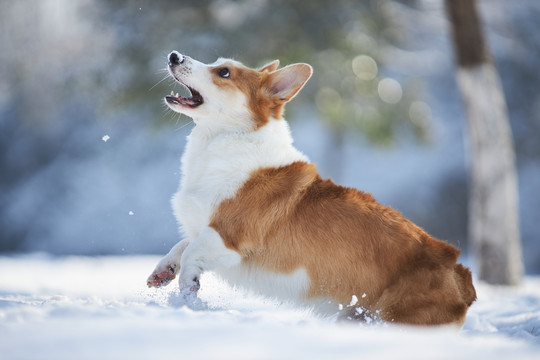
x,y
207,252
168,266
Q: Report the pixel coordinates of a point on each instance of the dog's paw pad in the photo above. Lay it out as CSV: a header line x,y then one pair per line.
x,y
162,278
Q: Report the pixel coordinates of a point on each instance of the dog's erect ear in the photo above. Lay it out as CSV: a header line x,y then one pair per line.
x,y
271,66
285,83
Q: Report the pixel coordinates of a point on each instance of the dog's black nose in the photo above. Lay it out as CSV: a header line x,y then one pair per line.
x,y
175,58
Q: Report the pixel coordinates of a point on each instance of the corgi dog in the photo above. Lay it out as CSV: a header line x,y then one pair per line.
x,y
255,211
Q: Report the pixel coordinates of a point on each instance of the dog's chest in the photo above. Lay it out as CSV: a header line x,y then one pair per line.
x,y
214,169
211,173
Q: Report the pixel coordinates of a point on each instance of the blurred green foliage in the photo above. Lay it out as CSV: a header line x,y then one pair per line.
x,y
352,87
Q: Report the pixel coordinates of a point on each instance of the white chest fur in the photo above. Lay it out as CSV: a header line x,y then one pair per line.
x,y
215,166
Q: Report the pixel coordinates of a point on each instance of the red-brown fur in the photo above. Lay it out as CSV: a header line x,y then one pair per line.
x,y
257,87
287,218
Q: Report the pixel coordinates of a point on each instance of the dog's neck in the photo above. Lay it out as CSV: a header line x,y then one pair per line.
x,y
222,125
275,133
269,146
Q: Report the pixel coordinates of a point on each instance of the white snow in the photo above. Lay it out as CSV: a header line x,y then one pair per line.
x,y
100,308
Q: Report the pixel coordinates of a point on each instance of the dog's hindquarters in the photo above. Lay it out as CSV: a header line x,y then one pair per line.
x,y
430,294
464,282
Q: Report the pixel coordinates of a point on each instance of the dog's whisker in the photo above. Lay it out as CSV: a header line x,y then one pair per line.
x,y
159,82
183,126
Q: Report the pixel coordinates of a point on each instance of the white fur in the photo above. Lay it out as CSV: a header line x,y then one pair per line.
x,y
285,287
207,252
221,153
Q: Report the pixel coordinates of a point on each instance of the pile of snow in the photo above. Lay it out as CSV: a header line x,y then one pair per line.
x,y
100,308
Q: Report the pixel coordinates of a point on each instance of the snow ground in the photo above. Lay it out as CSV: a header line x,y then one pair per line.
x,y
100,308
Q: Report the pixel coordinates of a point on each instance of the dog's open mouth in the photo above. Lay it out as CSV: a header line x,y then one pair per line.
x,y
192,101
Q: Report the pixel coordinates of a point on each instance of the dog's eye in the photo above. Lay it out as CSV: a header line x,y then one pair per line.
x,y
224,73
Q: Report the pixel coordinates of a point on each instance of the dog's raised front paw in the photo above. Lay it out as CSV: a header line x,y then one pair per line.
x,y
162,275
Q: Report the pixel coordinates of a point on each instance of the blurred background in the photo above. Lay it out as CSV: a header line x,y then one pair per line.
x,y
89,155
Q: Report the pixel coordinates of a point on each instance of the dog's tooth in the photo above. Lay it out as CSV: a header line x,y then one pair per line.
x,y
172,93
176,95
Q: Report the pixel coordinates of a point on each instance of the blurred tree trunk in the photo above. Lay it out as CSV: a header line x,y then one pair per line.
x,y
493,203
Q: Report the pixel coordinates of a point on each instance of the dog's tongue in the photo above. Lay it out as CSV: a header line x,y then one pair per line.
x,y
180,100
193,101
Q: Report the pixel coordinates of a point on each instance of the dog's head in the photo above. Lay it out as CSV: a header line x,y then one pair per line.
x,y
229,95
